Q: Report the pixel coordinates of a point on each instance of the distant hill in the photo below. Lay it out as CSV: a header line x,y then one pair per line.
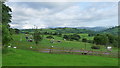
x,y
73,30
61,30
94,28
113,30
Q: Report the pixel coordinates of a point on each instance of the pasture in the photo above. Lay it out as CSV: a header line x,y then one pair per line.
x,y
18,57
23,53
20,41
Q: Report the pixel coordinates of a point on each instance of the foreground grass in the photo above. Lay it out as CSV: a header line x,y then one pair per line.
x,y
17,57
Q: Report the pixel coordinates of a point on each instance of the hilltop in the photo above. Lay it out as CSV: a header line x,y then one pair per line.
x,y
61,30
113,30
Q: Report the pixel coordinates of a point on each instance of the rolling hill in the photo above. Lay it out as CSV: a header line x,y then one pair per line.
x,y
61,30
113,30
94,28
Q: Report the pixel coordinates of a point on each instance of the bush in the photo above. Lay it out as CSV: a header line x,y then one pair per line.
x,y
101,39
84,40
90,41
72,37
50,37
95,47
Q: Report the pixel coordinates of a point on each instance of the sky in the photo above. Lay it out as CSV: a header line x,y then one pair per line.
x,y
63,14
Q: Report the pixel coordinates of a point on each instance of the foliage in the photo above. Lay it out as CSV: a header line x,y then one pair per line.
x,y
6,37
50,37
91,34
6,18
57,33
12,31
72,37
90,41
84,40
17,31
113,40
101,39
37,36
27,32
51,31
95,47
113,30
106,39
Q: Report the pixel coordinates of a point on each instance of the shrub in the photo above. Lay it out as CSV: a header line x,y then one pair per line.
x,y
50,37
90,41
72,37
95,47
101,39
84,40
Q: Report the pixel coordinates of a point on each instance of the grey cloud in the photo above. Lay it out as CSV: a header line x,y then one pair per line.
x,y
62,14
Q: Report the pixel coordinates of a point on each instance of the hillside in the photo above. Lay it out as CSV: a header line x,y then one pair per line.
x,y
61,30
113,30
94,28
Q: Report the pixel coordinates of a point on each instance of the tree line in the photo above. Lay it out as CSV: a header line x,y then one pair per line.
x,y
106,39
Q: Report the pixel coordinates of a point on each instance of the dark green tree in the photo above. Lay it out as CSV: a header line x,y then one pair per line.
x,y
101,39
6,18
50,37
37,36
111,38
17,31
84,40
72,37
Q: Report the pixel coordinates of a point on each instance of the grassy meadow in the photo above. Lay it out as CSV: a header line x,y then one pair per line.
x,y
23,53
20,41
18,57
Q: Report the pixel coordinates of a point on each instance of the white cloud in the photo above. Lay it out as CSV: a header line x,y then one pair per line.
x,y
26,15
63,0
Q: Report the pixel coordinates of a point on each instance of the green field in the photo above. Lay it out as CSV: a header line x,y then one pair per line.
x,y
46,43
17,57
24,56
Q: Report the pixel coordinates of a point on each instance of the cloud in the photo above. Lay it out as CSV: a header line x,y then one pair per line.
x,y
52,14
63,0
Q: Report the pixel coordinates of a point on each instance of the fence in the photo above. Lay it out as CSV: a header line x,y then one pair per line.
x,y
63,50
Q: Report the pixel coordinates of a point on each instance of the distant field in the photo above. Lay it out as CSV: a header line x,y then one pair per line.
x,y
17,57
46,43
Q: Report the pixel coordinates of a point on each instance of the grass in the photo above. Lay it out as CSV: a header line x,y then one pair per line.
x,y
23,56
18,57
46,43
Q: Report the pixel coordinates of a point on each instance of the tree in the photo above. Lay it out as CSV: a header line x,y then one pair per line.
x,y
95,47
84,40
37,36
17,31
6,18
118,39
91,34
72,37
101,39
59,34
6,37
50,37
111,38
65,37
